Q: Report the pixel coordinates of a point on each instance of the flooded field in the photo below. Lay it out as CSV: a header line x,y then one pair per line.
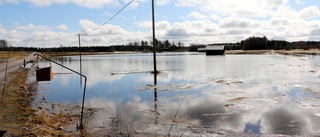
x,y
194,95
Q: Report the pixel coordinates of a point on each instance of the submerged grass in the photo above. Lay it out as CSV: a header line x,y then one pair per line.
x,y
47,124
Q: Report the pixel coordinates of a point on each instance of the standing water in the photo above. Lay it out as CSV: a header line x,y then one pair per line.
x,y
195,94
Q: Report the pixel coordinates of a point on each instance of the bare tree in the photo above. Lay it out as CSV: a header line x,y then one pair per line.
x,y
3,44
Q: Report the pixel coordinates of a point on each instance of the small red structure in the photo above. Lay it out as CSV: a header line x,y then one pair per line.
x,y
44,74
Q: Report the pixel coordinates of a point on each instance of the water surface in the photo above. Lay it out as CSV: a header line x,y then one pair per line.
x,y
223,95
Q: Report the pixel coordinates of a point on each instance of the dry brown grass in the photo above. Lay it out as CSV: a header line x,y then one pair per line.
x,y
47,124
18,118
14,109
237,99
12,55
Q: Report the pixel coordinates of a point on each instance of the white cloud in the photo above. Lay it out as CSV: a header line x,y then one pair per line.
x,y
188,3
160,26
94,3
315,32
197,31
162,2
177,32
2,30
62,27
197,15
275,3
229,29
134,3
279,22
144,24
163,25
108,34
238,23
285,12
30,27
309,12
237,31
229,7
82,3
208,21
34,36
214,17
90,28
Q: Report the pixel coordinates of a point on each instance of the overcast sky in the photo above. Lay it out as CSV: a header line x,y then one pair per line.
x,y
51,23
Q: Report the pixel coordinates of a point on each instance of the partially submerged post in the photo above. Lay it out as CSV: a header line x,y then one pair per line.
x,y
80,59
84,89
155,99
155,71
154,41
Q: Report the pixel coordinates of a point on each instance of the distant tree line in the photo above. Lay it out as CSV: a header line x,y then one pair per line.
x,y
143,46
255,43
262,43
251,43
165,45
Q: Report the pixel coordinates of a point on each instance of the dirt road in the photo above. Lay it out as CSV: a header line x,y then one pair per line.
x,y
13,66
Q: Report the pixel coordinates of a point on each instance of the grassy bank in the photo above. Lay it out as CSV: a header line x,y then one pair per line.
x,y
15,108
18,117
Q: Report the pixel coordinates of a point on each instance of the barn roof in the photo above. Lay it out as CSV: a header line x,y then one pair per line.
x,y
215,47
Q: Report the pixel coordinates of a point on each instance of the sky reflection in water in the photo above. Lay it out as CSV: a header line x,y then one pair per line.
x,y
272,94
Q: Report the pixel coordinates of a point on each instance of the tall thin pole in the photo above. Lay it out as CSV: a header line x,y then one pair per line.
x,y
155,73
154,40
80,59
5,75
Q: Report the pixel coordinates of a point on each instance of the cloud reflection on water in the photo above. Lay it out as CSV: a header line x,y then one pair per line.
x,y
273,102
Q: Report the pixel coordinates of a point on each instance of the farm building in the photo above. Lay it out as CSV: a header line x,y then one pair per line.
x,y
213,49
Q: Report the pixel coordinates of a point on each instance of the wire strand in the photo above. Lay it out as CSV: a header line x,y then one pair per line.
x,y
72,42
110,18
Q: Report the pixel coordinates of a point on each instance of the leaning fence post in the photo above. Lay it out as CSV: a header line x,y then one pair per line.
x,y
84,89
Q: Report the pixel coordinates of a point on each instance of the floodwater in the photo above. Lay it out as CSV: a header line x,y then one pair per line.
x,y
194,95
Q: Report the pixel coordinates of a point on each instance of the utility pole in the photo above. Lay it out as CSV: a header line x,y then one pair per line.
x,y
155,72
80,59
154,41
